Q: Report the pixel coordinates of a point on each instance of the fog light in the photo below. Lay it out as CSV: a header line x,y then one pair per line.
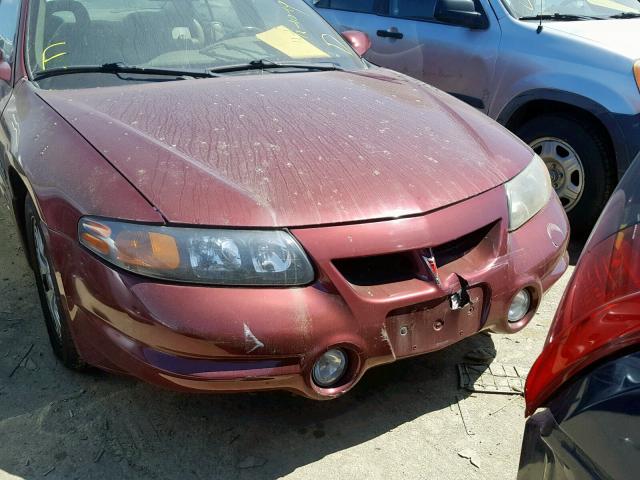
x,y
330,368
519,306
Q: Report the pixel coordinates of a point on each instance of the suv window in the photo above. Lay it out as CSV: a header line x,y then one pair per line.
x,y
417,9
360,6
9,10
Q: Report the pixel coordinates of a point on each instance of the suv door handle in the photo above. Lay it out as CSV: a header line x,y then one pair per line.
x,y
389,34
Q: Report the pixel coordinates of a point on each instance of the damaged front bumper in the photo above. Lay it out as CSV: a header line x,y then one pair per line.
x,y
375,297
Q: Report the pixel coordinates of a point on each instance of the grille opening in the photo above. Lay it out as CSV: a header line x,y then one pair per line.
x,y
451,251
400,267
377,270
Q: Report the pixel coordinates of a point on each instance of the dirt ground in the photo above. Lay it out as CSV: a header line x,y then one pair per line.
x,y
402,421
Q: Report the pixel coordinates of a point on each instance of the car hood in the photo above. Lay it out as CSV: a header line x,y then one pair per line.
x,y
619,36
293,149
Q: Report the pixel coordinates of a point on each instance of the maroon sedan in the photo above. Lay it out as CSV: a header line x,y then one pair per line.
x,y
223,196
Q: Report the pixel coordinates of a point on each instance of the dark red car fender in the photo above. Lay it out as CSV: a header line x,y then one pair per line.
x,y
57,158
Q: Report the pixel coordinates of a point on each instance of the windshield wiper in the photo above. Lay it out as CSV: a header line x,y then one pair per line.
x,y
560,17
263,64
117,68
624,15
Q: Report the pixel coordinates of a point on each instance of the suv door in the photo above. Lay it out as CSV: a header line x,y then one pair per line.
x,y
454,58
407,37
363,15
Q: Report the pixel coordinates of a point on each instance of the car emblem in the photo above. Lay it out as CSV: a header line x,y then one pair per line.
x,y
432,266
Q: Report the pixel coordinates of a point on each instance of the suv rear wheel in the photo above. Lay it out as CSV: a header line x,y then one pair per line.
x,y
577,156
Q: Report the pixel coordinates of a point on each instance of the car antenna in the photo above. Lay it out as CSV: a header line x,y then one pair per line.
x,y
539,29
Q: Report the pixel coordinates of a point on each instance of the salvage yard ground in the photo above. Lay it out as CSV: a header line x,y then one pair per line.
x,y
409,420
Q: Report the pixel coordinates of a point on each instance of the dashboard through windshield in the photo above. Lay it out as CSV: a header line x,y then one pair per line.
x,y
180,34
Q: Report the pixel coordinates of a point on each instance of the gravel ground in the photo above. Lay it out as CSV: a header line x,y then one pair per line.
x,y
402,421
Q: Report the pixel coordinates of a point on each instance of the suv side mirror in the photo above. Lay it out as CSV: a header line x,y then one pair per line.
x,y
359,41
460,12
5,69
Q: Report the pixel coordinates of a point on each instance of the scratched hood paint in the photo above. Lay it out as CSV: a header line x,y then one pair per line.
x,y
293,149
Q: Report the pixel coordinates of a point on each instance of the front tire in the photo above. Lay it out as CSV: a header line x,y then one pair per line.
x,y
54,315
576,153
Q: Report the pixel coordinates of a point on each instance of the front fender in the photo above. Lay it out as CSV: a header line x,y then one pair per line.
x,y
65,176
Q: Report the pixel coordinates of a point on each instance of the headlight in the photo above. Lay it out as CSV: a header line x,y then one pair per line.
x,y
528,192
192,255
636,73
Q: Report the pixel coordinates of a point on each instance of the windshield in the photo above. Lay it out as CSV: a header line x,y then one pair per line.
x,y
579,8
181,34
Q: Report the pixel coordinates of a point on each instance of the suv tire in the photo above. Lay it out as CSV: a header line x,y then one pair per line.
x,y
559,137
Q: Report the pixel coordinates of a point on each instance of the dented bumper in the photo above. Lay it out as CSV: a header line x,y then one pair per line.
x,y
373,296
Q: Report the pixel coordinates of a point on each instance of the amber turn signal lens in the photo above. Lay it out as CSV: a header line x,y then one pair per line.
x,y
97,229
95,243
147,249
636,73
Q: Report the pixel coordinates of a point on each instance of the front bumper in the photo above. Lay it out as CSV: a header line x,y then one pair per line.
x,y
200,338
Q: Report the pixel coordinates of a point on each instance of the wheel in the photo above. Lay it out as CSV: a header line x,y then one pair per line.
x,y
576,153
54,315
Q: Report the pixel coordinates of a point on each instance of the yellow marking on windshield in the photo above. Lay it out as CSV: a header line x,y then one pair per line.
x,y
46,60
291,11
613,5
328,38
290,43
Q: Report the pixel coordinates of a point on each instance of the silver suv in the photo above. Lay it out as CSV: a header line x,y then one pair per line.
x,y
561,74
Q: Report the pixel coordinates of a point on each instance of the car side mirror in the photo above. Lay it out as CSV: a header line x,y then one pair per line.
x,y
460,12
359,41
5,69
